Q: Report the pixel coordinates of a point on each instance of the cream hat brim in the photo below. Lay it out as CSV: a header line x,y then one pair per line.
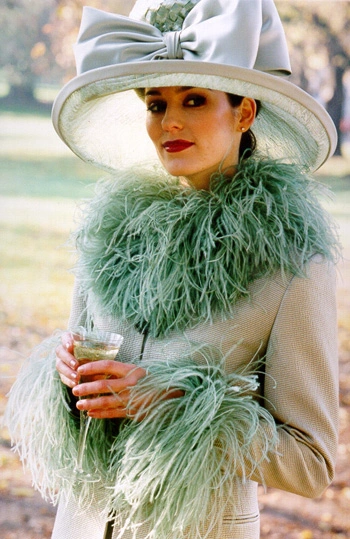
x,y
102,122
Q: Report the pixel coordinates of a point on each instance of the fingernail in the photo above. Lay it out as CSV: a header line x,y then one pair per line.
x,y
74,375
72,363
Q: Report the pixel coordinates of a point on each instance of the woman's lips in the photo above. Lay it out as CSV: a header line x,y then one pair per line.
x,y
173,146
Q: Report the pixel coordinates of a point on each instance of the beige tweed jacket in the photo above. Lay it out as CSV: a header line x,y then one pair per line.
x,y
291,321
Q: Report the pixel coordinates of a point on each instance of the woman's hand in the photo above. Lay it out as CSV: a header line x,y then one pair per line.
x,y
107,393
104,385
107,396
66,364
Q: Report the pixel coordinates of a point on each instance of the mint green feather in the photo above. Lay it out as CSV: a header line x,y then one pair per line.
x,y
45,432
171,466
177,465
165,257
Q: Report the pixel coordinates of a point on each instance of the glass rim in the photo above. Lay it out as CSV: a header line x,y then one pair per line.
x,y
107,337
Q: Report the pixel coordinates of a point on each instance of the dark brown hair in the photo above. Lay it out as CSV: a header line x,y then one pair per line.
x,y
248,140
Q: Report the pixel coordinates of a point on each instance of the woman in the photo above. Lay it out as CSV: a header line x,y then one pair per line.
x,y
219,275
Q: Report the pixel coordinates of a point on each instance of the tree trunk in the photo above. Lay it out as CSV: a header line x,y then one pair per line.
x,y
335,105
21,95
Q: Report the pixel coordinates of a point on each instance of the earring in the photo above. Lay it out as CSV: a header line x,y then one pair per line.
x,y
242,128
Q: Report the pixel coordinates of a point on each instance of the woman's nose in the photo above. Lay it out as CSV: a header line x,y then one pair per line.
x,y
172,119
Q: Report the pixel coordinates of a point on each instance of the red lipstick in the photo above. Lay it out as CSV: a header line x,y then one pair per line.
x,y
173,146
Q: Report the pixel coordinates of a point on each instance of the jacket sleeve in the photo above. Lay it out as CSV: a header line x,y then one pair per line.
x,y
301,384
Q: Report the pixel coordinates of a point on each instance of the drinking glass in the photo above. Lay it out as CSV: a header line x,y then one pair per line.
x,y
88,346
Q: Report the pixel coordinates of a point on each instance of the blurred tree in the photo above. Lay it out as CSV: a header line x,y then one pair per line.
x,y
318,33
65,25
24,45
36,42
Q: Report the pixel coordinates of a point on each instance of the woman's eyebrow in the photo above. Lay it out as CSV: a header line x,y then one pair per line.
x,y
154,91
184,89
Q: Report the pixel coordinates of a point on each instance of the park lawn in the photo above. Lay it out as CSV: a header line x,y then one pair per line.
x,y
40,184
35,266
47,177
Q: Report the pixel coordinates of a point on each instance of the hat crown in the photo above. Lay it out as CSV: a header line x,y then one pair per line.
x,y
239,33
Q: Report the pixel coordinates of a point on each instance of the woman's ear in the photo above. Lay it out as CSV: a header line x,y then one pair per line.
x,y
247,113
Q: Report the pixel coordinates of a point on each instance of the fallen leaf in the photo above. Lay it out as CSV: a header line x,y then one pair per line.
x,y
22,492
306,534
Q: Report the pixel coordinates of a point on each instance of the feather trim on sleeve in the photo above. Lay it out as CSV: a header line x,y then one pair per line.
x,y
178,461
45,432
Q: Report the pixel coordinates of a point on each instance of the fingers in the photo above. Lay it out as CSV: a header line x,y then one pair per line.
x,y
114,377
66,364
112,413
105,384
104,407
107,391
108,407
108,397
101,402
67,341
112,368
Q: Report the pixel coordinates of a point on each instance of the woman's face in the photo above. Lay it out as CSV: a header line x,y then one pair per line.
x,y
196,131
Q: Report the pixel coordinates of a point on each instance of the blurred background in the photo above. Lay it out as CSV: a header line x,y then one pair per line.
x,y
41,184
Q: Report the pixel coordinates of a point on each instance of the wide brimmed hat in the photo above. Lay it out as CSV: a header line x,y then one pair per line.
x,y
236,46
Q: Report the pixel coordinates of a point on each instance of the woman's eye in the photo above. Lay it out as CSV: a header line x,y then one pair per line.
x,y
195,101
156,106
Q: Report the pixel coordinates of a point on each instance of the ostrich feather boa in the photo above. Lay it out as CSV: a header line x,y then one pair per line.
x,y
165,257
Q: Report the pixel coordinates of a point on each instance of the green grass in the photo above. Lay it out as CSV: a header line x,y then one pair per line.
x,y
40,182
46,177
35,276
34,162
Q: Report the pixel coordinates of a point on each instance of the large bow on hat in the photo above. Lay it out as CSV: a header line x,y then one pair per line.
x,y
240,33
